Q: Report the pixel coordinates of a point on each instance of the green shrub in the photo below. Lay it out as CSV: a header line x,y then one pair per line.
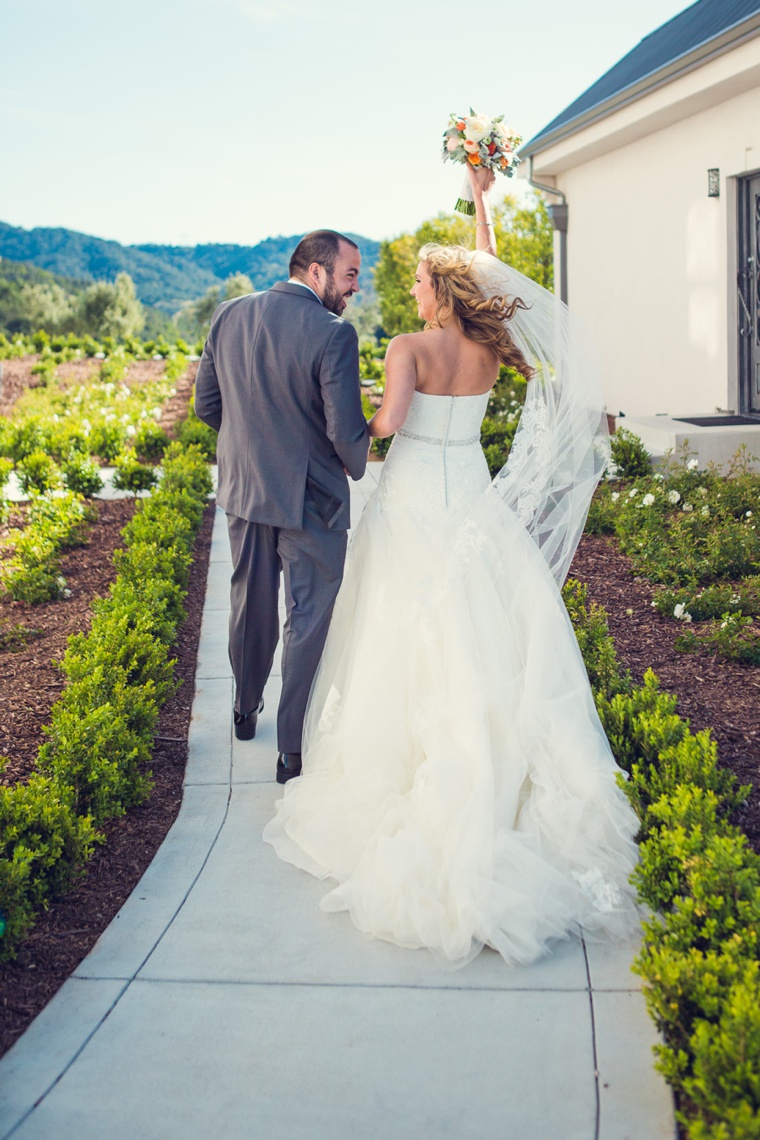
x,y
702,603
63,519
107,440
186,469
38,473
602,513
150,442
629,455
101,751
43,844
724,1086
82,476
192,432
133,476
735,637
699,959
594,641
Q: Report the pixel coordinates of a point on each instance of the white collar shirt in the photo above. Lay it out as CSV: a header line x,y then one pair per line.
x,y
295,281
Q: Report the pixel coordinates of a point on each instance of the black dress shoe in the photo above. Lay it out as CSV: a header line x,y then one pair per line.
x,y
245,723
288,766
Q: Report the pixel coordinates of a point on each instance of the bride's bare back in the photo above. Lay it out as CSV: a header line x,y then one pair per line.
x,y
437,362
448,364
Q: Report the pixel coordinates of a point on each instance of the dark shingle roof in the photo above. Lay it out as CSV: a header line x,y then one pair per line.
x,y
690,29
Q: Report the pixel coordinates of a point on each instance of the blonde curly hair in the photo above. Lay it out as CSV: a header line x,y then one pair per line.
x,y
459,298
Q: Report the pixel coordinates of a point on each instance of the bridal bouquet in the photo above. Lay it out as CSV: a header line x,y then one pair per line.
x,y
480,141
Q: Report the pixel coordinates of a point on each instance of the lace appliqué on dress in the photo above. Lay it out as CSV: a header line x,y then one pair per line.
x,y
529,463
604,895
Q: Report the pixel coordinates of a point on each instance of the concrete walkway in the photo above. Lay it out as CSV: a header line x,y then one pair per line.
x,y
223,1004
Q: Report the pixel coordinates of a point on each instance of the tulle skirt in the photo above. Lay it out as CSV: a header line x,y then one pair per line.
x,y
457,785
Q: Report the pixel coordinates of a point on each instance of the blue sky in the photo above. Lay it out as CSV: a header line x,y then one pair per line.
x,y
184,121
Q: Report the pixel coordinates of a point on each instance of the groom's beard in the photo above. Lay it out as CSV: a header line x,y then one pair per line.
x,y
333,299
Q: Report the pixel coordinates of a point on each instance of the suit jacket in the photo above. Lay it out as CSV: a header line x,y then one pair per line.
x,y
279,381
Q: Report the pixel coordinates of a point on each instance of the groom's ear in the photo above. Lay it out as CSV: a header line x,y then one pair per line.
x,y
317,274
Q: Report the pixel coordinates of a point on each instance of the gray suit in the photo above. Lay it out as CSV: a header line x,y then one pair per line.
x,y
279,381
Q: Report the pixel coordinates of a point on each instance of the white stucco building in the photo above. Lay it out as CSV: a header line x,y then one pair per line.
x,y
655,173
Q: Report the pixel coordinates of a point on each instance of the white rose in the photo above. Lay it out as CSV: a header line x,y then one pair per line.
x,y
678,610
674,497
687,507
131,429
615,496
633,492
692,465
476,127
648,500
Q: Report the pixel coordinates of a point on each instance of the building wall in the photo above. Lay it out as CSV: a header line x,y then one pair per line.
x,y
648,251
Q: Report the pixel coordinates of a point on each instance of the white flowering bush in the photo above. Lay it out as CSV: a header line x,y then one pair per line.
x,y
694,535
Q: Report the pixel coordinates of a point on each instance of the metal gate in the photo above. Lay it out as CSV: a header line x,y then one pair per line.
x,y
749,295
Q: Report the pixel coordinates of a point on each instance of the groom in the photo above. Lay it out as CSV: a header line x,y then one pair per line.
x,y
279,382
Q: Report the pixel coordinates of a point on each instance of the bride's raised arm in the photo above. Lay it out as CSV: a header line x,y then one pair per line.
x,y
400,382
481,181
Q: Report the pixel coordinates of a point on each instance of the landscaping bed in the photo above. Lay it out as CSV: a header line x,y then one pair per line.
x,y
65,933
712,692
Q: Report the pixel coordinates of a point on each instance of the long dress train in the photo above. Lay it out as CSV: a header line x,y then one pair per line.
x,y
457,784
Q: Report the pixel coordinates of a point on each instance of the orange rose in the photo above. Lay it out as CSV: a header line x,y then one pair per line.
x,y
461,126
491,148
474,159
503,163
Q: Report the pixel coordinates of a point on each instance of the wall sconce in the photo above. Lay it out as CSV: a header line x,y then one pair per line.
x,y
713,183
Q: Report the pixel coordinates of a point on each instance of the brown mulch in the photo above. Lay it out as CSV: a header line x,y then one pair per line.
x,y
712,692
17,377
65,933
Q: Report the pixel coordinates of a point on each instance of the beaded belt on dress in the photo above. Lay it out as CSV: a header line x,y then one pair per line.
x,y
438,439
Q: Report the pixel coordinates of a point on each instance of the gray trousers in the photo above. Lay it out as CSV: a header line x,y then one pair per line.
x,y
311,560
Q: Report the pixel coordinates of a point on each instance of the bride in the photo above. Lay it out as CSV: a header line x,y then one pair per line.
x,y
457,785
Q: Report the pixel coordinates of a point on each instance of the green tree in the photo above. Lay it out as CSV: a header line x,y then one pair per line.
x,y
106,309
523,239
194,318
363,312
46,306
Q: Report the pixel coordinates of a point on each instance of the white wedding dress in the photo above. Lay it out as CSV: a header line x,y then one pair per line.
x,y
457,785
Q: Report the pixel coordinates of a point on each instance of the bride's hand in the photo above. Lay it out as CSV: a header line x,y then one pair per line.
x,y
481,179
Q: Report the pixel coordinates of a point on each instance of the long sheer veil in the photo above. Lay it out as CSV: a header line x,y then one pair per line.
x,y
561,446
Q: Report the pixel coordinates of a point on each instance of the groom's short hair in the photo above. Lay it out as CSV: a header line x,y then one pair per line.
x,y
321,246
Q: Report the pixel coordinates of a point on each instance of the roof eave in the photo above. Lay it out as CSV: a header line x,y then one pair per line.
x,y
717,45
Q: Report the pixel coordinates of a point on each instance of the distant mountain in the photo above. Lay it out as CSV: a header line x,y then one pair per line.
x,y
164,275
